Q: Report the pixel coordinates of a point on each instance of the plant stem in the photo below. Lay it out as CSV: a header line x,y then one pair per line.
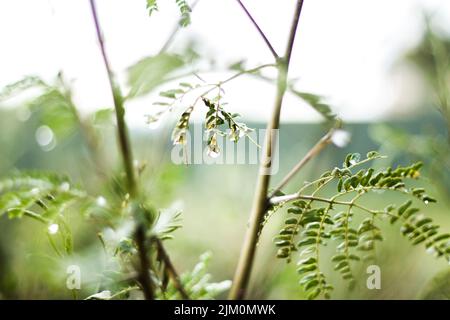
x,y
245,263
292,197
293,32
31,214
236,75
127,157
121,292
174,32
266,40
119,110
171,271
144,275
249,71
318,147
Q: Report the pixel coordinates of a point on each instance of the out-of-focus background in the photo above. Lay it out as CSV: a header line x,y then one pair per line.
x,y
383,67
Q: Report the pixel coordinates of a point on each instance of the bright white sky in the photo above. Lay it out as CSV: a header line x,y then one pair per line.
x,y
345,49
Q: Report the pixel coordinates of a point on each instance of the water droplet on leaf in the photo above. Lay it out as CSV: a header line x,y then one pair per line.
x,y
101,201
340,138
53,228
214,152
64,187
45,138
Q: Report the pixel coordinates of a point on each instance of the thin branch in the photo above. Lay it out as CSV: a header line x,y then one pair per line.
x,y
293,32
325,180
121,292
119,109
172,273
174,32
266,40
30,214
318,147
249,71
127,157
260,203
238,74
292,197
144,274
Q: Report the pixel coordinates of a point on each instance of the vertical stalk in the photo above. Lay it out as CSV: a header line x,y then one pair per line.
x,y
127,158
260,202
263,35
170,269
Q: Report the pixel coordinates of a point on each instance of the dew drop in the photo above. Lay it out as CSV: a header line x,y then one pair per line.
x,y
64,187
44,136
180,139
214,153
53,228
101,201
340,138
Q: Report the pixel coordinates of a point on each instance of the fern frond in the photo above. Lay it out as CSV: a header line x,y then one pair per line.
x,y
180,131
51,103
185,11
316,102
148,73
197,283
152,6
313,237
167,222
20,86
368,235
183,6
311,221
218,121
420,229
347,240
44,197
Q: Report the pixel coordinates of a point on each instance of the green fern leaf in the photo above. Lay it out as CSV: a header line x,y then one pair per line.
x,y
312,223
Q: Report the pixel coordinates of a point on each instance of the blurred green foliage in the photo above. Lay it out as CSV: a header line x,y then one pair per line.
x,y
215,201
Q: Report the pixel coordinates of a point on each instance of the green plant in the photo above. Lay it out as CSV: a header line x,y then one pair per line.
x,y
139,259
47,197
315,220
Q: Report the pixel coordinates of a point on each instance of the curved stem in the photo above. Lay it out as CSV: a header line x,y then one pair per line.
x,y
127,157
31,214
266,40
331,201
122,130
240,73
260,202
249,71
318,147
171,271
